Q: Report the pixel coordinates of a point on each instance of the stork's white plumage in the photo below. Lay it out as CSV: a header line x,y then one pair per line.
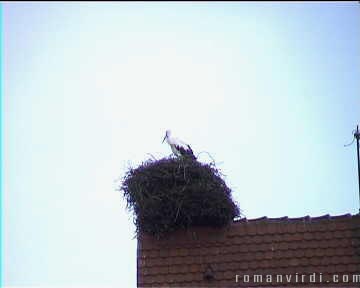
x,y
178,147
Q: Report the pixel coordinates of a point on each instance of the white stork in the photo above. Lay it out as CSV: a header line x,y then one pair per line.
x,y
178,147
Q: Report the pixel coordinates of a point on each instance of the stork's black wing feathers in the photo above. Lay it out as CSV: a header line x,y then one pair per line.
x,y
186,152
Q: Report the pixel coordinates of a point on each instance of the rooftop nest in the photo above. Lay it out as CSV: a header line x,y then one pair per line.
x,y
171,193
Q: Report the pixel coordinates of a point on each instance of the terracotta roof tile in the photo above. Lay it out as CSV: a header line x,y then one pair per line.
x,y
260,246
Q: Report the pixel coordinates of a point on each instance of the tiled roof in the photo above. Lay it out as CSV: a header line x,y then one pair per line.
x,y
210,257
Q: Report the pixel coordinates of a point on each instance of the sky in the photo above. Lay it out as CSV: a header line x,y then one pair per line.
x,y
270,90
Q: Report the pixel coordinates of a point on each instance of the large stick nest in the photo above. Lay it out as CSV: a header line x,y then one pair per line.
x,y
173,193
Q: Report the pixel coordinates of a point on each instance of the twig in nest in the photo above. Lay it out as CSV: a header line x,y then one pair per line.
x,y
184,172
152,156
178,210
213,160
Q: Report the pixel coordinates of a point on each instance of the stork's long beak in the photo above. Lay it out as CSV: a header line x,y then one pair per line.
x,y
164,139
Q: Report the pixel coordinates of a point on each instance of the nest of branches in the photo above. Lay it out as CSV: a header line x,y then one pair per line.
x,y
173,193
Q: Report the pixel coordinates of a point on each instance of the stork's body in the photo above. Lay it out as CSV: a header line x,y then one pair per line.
x,y
178,147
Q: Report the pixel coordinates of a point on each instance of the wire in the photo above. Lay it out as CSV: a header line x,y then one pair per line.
x,y
347,145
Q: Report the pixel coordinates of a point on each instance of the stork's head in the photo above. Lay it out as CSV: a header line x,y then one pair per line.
x,y
167,135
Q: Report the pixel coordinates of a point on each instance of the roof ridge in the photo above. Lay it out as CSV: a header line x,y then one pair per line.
x,y
304,218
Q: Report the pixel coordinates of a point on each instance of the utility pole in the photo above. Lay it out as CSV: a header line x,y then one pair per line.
x,y
357,136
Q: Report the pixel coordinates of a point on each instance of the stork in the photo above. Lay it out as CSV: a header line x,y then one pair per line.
x,y
178,147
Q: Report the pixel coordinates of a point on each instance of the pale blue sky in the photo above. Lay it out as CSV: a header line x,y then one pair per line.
x,y
270,90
